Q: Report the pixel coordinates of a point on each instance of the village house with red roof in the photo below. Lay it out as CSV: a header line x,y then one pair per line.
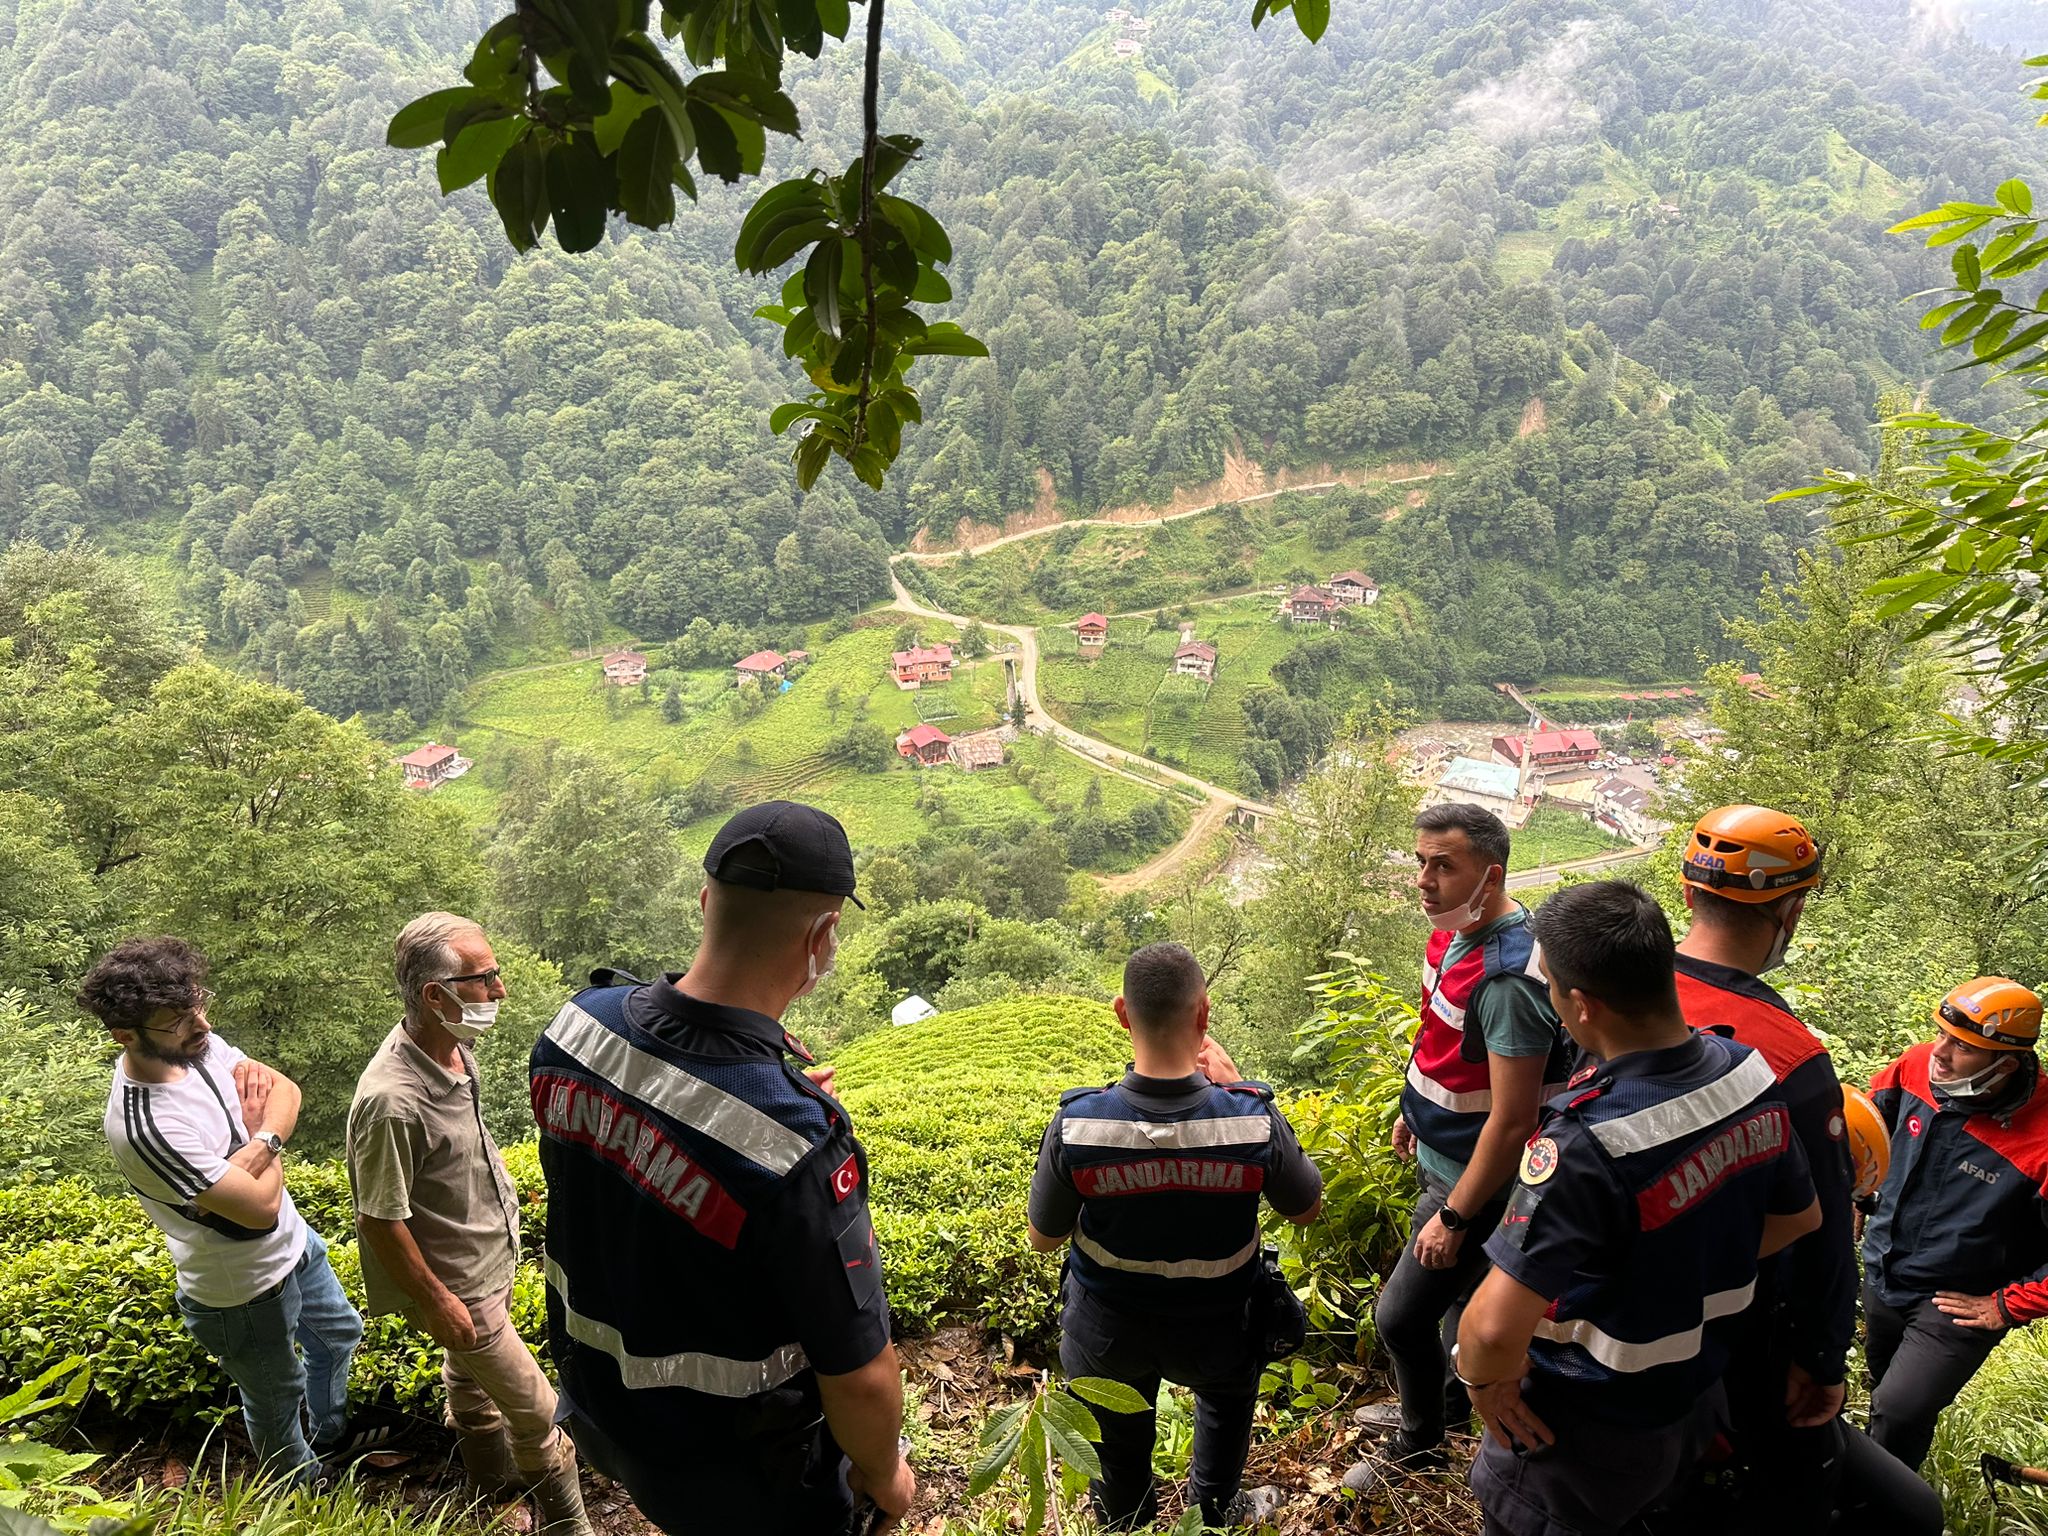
x,y
922,664
925,745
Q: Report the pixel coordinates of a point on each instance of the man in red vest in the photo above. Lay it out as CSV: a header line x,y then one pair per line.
x,y
1487,1044
1748,872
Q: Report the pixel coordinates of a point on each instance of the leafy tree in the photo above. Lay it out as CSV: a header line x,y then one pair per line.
x,y
586,870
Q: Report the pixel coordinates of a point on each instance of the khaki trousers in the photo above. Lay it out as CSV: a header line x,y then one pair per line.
x,y
499,1388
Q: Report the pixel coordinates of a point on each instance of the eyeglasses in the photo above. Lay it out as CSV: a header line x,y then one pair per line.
x,y
201,1002
488,978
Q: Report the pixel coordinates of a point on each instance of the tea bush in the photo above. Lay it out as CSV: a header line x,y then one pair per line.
x,y
86,1273
951,1111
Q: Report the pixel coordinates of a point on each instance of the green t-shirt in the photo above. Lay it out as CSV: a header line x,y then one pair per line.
x,y
1512,1020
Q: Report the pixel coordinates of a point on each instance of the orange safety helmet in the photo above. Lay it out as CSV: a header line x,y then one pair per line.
x,y
1748,853
1991,1013
1869,1138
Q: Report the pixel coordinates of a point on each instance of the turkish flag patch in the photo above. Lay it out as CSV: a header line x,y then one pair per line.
x,y
845,1179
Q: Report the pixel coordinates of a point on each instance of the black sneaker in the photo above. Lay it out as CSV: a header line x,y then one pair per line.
x,y
364,1432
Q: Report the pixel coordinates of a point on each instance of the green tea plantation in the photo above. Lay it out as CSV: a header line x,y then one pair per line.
x,y
950,1111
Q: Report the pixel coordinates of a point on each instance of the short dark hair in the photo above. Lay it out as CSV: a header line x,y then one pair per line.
x,y
138,976
1486,832
1718,911
1610,940
1161,981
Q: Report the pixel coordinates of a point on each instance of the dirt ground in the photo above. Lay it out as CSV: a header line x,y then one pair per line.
x,y
959,1377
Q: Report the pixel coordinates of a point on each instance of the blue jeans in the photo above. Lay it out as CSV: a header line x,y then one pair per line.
x,y
288,1392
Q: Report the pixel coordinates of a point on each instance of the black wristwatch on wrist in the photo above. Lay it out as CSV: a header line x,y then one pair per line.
x,y
1452,1221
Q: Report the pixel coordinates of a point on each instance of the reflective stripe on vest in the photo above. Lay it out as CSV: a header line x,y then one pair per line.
x,y
1476,1102
1643,1354
1690,1148
1169,1214
730,1121
1690,1113
1235,1130
1172,1269
712,1374
1449,1090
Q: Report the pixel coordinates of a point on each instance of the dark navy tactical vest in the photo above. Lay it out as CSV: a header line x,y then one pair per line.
x,y
1449,1092
1691,1150
661,1168
1169,1199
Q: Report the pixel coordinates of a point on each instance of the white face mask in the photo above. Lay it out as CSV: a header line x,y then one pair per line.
x,y
1468,914
1984,1084
476,1019
1776,957
813,972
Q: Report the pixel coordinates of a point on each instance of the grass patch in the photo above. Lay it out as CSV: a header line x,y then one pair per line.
x,y
1556,836
1300,537
1128,694
779,747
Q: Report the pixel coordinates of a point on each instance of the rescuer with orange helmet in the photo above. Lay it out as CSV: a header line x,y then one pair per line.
x,y
1748,872
1956,1253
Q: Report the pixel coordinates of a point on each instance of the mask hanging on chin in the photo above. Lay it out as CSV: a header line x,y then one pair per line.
x,y
1988,1083
477,1018
1468,914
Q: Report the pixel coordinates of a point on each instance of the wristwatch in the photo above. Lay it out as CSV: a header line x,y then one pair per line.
x,y
271,1140
1452,1221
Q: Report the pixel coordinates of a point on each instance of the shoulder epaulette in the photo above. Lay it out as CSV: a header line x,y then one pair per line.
x,y
612,976
1256,1090
1081,1093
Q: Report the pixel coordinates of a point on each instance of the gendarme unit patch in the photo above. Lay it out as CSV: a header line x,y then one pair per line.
x,y
1539,1160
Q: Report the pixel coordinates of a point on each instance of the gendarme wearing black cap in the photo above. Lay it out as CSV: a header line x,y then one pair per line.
x,y
783,846
715,1301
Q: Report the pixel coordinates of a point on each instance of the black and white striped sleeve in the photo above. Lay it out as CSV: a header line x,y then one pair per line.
x,y
159,1151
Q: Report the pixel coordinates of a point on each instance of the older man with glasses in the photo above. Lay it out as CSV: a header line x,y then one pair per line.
x,y
439,1218
198,1130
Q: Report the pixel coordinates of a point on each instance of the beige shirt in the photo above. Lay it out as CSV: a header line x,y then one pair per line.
x,y
418,1153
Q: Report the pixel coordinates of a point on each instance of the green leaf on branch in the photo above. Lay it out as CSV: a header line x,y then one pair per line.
x,y
2016,196
945,340
821,285
518,189
476,149
420,123
1313,17
1968,273
498,67
646,173
609,127
579,185
747,96
1004,1433
1113,1395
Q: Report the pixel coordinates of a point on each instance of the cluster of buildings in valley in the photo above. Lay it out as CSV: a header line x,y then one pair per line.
x,y
1298,606
1322,604
1515,774
1131,33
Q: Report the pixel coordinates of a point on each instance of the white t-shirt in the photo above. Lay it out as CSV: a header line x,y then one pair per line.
x,y
171,1141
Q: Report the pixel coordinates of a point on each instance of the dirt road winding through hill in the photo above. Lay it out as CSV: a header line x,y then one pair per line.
x,y
1218,802
938,556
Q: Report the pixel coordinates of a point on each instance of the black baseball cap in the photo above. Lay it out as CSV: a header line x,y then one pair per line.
x,y
780,845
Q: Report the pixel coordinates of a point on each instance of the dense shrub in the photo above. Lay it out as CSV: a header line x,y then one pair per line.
x,y
951,1111
86,1273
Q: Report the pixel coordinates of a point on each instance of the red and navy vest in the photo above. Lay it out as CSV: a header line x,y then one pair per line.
x,y
1169,1199
1450,1090
1965,1202
1688,1136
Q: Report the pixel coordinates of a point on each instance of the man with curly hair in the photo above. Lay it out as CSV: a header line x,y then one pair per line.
x,y
198,1130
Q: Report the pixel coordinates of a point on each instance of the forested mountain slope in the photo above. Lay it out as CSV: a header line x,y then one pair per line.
x,y
381,452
